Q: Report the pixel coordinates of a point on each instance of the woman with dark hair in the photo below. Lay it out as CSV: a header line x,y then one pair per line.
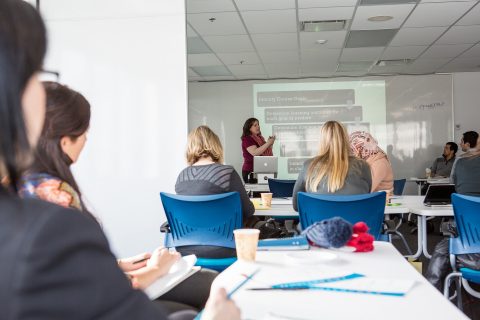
x,y
253,144
55,264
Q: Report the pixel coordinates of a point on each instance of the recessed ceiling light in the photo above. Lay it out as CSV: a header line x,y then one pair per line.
x,y
321,41
380,18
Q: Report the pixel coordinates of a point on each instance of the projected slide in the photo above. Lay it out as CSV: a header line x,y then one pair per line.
x,y
294,113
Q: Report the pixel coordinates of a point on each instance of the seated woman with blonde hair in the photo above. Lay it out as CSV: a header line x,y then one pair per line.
x,y
364,146
334,170
206,174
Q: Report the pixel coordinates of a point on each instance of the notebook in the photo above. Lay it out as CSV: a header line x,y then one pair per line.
x,y
439,195
181,270
294,243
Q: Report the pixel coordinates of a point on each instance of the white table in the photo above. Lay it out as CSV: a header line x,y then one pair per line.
x,y
255,187
284,208
409,204
423,301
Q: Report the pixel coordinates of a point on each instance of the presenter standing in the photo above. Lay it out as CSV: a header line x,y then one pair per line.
x,y
253,144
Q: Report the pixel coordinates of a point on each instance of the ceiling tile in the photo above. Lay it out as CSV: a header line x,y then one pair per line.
x,y
275,42
244,5
350,73
385,2
386,69
197,45
445,51
243,70
280,69
335,40
318,67
208,71
417,36
361,54
218,78
190,32
204,59
253,77
225,23
316,14
398,12
326,3
198,6
437,14
272,57
274,21
193,79
423,65
236,58
464,63
228,44
460,34
407,52
314,56
472,17
370,38
354,66
474,52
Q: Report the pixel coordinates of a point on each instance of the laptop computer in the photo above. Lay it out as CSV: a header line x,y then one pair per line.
x,y
265,164
439,195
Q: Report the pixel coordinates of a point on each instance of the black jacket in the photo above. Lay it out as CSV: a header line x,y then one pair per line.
x,y
56,264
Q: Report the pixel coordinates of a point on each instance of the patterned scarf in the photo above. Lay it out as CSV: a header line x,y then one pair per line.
x,y
362,143
260,140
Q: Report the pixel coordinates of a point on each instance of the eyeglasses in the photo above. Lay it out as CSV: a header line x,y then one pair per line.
x,y
48,75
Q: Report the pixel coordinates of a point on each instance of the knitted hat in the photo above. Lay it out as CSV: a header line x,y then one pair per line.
x,y
329,233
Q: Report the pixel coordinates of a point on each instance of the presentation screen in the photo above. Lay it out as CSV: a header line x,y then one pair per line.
x,y
294,113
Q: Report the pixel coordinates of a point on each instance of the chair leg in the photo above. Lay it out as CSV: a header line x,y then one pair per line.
x,y
446,287
458,285
400,235
470,290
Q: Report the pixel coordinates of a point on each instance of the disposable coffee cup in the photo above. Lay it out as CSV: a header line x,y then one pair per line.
x,y
266,199
246,242
428,173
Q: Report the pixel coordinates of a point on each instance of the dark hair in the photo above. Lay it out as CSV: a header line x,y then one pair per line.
x,y
453,146
470,137
22,49
246,127
68,115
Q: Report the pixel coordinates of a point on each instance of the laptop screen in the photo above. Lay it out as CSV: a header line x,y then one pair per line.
x,y
439,193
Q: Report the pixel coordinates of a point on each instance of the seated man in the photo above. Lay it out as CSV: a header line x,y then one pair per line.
x,y
442,166
466,170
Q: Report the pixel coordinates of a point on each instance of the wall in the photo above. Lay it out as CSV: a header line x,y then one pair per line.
x,y
129,63
225,105
466,101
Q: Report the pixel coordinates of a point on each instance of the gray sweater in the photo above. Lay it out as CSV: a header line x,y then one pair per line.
x,y
466,175
358,180
213,179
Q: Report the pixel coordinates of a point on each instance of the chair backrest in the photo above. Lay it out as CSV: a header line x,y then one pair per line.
x,y
398,186
281,188
369,208
467,217
203,220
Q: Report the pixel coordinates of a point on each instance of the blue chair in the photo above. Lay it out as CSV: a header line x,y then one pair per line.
x,y
398,186
281,188
203,220
466,210
369,208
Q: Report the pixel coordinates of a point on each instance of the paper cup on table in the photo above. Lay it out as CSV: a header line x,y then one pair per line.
x,y
266,199
246,242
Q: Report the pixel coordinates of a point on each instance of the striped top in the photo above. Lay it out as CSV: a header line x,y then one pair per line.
x,y
213,179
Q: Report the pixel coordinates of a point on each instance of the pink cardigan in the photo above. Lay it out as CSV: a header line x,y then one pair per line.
x,y
382,173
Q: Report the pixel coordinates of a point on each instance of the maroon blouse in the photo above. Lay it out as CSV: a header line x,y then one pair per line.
x,y
247,157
